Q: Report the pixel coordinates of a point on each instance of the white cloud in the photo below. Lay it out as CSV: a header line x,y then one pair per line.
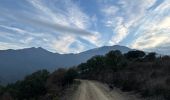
x,y
165,23
151,41
154,32
70,19
5,45
71,15
49,24
110,10
47,13
95,39
79,47
59,24
27,40
130,12
22,37
149,28
109,13
62,44
76,16
61,29
121,32
57,43
163,7
21,31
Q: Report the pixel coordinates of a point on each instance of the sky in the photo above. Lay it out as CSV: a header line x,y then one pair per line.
x,y
73,26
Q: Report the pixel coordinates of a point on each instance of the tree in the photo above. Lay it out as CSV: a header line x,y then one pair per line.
x,y
70,75
57,79
114,60
150,57
92,67
95,63
31,87
1,90
134,54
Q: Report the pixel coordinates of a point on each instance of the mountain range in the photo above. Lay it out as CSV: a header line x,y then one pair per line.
x,y
15,64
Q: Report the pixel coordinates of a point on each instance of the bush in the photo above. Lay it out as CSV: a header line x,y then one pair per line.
x,y
31,87
150,57
133,71
1,90
70,75
134,54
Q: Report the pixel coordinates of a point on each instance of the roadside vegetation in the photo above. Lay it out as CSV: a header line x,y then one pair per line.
x,y
145,74
135,71
40,85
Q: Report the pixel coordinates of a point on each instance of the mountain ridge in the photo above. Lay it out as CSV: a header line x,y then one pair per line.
x,y
15,64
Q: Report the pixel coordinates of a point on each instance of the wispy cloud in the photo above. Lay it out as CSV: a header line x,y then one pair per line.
x,y
124,16
150,41
63,43
58,27
70,20
145,23
153,33
5,46
64,24
71,14
72,26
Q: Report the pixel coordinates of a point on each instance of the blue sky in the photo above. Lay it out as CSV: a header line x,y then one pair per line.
x,y
71,26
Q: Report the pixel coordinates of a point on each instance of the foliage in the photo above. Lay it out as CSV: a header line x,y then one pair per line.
x,y
59,80
1,90
134,54
31,87
133,71
151,56
71,75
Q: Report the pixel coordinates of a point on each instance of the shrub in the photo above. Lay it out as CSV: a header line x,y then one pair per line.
x,y
134,54
31,87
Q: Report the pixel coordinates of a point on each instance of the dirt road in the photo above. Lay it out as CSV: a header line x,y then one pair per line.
x,y
91,90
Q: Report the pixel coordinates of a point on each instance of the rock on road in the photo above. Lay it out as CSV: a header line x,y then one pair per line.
x,y
92,90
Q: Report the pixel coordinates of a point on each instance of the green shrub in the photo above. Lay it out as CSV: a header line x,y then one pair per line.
x,y
31,87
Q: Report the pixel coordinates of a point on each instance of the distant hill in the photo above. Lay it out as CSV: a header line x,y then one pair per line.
x,y
15,64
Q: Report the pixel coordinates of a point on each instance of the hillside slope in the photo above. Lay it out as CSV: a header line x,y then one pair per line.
x,y
15,64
